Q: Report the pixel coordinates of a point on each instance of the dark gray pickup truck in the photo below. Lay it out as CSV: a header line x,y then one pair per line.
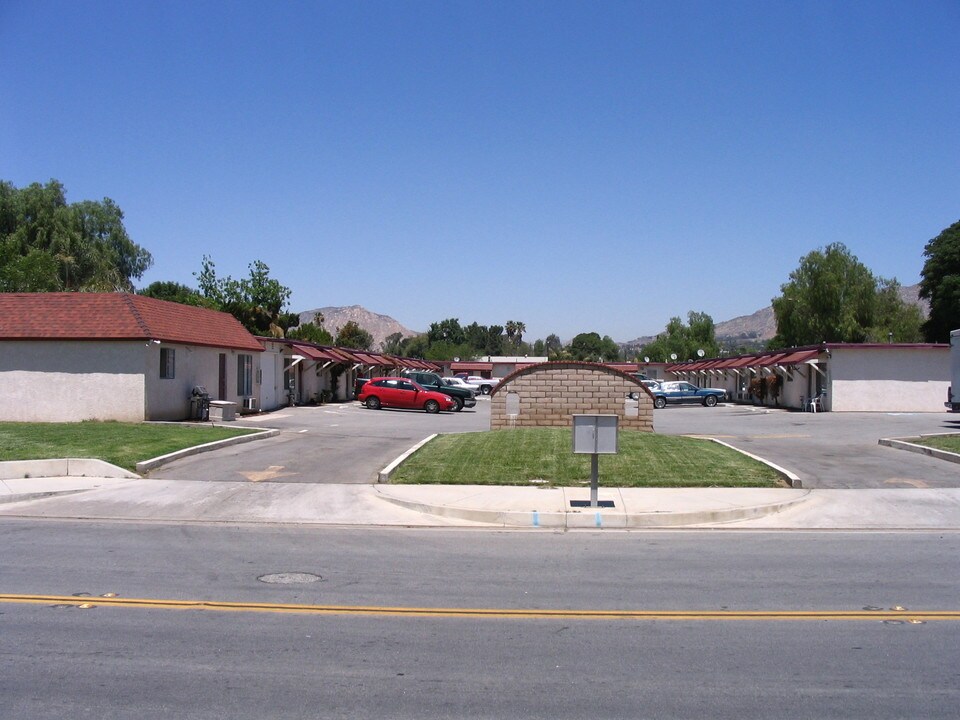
x,y
432,381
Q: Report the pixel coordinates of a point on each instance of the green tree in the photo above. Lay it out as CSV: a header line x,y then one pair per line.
x,y
393,344
351,335
684,340
313,331
494,342
515,330
552,345
593,348
940,284
174,292
833,297
895,320
539,348
257,301
47,244
446,331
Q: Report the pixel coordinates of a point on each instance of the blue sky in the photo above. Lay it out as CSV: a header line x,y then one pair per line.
x,y
578,166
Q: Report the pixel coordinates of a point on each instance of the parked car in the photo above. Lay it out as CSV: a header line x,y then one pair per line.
x,y
463,397
461,383
486,385
398,392
684,392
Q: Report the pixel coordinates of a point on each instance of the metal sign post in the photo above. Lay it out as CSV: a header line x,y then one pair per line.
x,y
595,435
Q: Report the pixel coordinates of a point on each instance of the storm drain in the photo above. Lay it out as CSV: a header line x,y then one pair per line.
x,y
289,578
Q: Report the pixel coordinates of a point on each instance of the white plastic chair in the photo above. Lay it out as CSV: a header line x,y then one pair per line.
x,y
816,403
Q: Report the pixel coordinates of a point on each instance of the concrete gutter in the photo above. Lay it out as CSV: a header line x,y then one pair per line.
x,y
632,507
905,444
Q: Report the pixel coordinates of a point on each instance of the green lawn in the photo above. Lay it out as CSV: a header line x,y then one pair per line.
x,y
121,444
950,443
544,456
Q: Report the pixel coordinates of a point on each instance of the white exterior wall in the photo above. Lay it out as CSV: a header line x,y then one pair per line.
x,y
894,380
169,398
271,393
70,381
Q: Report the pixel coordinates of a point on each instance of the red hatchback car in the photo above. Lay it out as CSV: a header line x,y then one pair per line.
x,y
403,393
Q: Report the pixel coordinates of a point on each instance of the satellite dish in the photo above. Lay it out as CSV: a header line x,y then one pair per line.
x,y
673,356
456,359
700,352
646,359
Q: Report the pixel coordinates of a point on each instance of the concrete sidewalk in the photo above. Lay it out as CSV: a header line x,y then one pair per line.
x,y
132,498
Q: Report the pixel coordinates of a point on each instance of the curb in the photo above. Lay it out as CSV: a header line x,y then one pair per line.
x,y
153,463
905,444
384,475
62,467
792,480
594,520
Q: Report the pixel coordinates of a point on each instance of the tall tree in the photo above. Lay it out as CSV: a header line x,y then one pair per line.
x,y
393,344
833,297
351,335
447,331
47,244
257,301
553,345
940,284
684,340
312,331
174,292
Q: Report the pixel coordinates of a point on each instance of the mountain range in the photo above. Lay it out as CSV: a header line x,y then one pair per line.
x,y
758,327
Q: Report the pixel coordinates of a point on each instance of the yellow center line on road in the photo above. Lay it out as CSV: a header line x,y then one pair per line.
x,y
496,613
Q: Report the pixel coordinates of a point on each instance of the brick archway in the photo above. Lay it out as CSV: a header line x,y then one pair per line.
x,y
548,394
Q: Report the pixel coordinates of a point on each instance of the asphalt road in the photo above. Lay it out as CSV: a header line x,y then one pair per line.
x,y
58,660
346,443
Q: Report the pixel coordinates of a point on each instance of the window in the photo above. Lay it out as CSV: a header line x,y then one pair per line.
x,y
244,375
167,363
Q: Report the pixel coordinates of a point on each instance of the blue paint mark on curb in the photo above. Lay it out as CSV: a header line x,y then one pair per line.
x,y
536,519
599,520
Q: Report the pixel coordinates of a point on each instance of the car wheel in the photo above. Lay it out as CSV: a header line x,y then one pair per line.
x,y
431,406
659,402
458,404
373,403
484,389
710,400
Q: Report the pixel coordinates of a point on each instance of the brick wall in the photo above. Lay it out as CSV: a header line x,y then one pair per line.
x,y
549,393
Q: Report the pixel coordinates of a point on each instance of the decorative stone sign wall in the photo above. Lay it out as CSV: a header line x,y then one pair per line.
x,y
549,394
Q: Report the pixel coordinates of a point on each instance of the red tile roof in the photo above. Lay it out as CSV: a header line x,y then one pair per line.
x,y
117,316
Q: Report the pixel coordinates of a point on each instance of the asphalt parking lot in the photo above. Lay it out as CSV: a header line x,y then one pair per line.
x,y
826,450
334,443
346,443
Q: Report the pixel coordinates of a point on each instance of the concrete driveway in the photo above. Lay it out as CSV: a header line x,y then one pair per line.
x,y
826,450
336,443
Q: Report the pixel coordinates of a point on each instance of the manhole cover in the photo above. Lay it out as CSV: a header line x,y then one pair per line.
x,y
289,578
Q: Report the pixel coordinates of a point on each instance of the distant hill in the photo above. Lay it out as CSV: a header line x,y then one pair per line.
x,y
379,326
762,325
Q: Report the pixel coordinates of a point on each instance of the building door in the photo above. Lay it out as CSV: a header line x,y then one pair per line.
x,y
222,378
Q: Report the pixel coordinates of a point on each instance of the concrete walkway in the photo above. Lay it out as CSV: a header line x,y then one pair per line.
x,y
131,498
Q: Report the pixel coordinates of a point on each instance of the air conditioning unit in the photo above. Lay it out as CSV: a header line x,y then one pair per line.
x,y
251,404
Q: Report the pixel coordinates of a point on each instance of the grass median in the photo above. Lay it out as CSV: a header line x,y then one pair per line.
x,y
950,443
121,444
544,456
